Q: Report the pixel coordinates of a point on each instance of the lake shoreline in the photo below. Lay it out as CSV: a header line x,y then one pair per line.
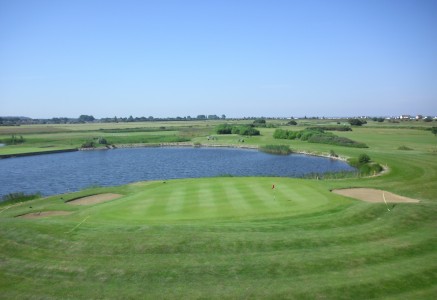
x,y
3,156
182,144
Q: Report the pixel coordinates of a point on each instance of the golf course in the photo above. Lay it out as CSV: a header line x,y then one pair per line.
x,y
351,236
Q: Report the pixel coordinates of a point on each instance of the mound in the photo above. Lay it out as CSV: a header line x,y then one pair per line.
x,y
95,199
373,195
43,214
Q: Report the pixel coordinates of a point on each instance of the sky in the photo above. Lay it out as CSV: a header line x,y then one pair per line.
x,y
168,58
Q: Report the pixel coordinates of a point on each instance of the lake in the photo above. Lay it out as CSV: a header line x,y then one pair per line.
x,y
72,171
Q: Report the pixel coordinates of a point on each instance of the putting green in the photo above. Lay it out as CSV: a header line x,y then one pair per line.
x,y
217,198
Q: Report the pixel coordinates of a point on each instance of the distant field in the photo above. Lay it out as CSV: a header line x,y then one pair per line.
x,y
228,237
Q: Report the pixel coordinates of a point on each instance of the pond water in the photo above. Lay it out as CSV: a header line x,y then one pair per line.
x,y
72,171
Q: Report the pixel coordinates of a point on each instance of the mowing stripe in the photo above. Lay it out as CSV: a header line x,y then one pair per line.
x,y
256,200
240,197
237,199
222,201
142,207
206,199
176,200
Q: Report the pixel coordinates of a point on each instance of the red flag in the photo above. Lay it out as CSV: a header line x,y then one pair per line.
x,y
273,186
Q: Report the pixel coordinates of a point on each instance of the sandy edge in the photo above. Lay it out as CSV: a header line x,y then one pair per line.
x,y
374,195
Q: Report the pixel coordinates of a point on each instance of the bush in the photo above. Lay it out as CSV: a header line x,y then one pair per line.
x,y
102,141
292,122
88,144
259,123
336,140
357,122
332,128
317,135
363,158
284,134
332,153
404,148
378,119
247,130
224,129
237,129
365,168
308,133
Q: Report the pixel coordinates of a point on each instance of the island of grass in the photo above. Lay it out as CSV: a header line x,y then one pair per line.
x,y
228,237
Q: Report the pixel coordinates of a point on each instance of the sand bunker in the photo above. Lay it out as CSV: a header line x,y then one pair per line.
x,y
94,199
43,214
372,195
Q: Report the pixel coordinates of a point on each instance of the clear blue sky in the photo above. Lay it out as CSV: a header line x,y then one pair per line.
x,y
239,58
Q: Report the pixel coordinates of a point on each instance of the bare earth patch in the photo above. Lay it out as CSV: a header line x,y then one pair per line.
x,y
373,195
95,199
43,214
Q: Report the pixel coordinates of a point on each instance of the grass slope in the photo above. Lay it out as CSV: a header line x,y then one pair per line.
x,y
220,237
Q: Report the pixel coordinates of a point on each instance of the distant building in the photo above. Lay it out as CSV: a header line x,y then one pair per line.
x,y
419,117
405,117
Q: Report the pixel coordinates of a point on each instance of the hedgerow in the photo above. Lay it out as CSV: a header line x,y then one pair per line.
x,y
317,135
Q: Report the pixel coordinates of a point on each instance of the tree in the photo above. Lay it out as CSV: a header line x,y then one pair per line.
x,y
86,118
434,130
259,123
356,122
201,117
378,119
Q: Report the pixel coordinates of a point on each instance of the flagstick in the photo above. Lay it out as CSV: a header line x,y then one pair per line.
x,y
383,196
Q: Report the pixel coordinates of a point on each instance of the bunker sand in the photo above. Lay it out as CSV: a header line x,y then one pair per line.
x,y
43,214
373,195
95,199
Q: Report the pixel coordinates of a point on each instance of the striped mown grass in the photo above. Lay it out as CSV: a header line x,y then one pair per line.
x,y
221,238
218,198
